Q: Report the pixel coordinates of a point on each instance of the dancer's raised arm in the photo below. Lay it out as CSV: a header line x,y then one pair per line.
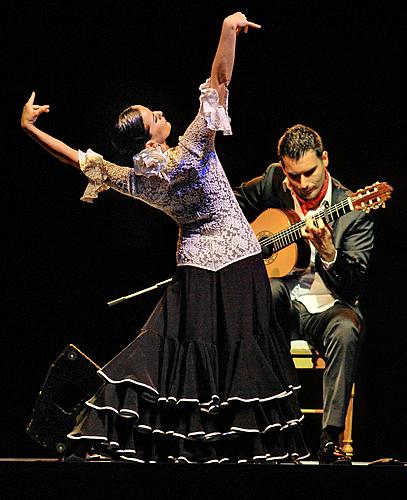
x,y
222,66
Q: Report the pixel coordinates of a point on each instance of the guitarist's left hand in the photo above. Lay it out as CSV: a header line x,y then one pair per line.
x,y
320,236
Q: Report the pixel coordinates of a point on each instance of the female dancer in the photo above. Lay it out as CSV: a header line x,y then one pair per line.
x,y
209,378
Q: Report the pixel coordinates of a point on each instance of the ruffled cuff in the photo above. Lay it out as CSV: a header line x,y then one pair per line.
x,y
151,162
91,164
216,116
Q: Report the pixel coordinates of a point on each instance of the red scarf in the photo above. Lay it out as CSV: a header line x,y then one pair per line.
x,y
307,205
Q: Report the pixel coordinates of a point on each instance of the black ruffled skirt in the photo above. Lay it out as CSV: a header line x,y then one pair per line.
x,y
208,379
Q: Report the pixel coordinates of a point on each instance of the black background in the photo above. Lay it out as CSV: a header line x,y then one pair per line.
x,y
335,67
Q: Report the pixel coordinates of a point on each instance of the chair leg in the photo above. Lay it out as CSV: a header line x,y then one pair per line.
x,y
346,441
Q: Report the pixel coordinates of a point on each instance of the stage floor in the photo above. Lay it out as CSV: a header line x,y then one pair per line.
x,y
50,460
38,478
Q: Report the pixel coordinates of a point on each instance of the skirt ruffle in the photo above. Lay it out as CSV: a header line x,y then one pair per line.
x,y
208,379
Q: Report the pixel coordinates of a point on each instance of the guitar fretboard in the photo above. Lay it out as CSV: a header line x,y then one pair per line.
x,y
293,233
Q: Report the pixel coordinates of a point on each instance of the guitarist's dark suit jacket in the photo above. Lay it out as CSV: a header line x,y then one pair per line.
x,y
353,234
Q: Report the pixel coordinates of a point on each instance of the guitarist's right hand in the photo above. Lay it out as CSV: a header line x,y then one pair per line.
x,y
320,236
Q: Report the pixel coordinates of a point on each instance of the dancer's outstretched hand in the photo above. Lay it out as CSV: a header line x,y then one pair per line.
x,y
239,21
32,111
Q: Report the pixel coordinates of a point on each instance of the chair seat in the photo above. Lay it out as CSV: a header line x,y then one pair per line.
x,y
304,356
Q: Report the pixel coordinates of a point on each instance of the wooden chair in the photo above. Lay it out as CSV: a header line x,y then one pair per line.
x,y
307,358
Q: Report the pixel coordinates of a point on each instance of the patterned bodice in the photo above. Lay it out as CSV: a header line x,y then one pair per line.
x,y
188,183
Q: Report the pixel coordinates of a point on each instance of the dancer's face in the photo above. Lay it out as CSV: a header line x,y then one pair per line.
x,y
154,122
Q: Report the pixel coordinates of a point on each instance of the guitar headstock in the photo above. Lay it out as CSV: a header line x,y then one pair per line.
x,y
371,197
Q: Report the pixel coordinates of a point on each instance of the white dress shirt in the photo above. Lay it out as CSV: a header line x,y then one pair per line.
x,y
308,288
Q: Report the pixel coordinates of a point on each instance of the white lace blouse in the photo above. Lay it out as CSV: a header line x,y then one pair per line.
x,y
188,183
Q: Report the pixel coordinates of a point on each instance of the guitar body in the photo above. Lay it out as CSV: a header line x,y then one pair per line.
x,y
294,257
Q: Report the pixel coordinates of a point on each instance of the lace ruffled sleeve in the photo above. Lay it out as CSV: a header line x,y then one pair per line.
x,y
216,115
102,175
151,162
91,164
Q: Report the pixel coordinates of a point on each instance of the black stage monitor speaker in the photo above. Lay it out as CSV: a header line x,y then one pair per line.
x,y
70,381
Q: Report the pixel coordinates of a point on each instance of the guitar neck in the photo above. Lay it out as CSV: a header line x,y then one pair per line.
x,y
293,233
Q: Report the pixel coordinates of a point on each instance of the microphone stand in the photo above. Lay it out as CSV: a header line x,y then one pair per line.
x,y
135,294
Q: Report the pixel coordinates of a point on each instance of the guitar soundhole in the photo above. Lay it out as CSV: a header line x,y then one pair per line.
x,y
266,250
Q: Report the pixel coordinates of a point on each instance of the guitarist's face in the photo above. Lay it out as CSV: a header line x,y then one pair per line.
x,y
307,174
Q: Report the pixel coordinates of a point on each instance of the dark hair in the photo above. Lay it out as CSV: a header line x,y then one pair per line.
x,y
297,140
128,135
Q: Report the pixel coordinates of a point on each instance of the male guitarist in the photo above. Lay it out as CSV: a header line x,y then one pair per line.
x,y
319,304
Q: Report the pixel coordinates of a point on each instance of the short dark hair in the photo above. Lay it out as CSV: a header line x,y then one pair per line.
x,y
128,134
297,140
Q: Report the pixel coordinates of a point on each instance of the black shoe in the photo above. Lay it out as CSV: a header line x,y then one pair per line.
x,y
74,458
76,452
331,454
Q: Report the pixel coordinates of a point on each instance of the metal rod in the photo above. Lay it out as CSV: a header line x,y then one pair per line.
x,y
135,294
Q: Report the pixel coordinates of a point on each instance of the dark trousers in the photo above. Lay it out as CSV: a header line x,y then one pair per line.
x,y
336,334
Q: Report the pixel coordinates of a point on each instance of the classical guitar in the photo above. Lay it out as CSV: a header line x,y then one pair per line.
x,y
280,231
